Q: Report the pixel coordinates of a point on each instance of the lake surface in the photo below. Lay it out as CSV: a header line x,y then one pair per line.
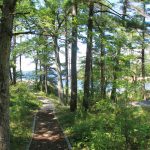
x,y
30,75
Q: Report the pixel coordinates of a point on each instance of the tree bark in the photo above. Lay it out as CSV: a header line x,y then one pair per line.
x,y
58,68
73,101
102,68
41,77
45,79
36,69
102,64
6,27
66,60
14,70
143,54
125,4
114,84
143,44
10,75
14,60
20,61
116,67
92,77
44,74
87,76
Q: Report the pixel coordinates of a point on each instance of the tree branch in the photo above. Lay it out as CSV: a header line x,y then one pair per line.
x,y
21,13
107,7
60,23
26,32
33,33
119,15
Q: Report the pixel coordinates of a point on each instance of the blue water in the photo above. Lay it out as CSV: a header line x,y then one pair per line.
x,y
79,84
30,75
147,86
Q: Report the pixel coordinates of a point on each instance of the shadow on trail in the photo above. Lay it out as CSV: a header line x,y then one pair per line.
x,y
47,134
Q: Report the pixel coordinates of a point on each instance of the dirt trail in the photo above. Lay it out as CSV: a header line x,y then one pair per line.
x,y
47,131
143,103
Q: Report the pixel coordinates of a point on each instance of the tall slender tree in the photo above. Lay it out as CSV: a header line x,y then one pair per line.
x,y
143,49
36,60
20,67
87,75
58,68
143,43
118,51
102,60
6,27
14,62
66,58
20,62
73,101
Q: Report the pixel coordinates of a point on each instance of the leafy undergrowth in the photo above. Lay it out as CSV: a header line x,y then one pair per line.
x,y
107,127
23,105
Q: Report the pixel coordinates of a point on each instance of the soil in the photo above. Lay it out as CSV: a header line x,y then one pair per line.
x,y
47,132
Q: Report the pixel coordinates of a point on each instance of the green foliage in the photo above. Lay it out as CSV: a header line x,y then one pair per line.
x,y
23,105
107,126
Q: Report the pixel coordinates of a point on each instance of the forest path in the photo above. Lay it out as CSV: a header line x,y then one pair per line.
x,y
143,103
48,134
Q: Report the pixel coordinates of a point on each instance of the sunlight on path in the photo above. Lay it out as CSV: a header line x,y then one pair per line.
x,y
48,134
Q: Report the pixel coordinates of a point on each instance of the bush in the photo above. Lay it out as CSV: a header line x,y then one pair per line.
x,y
108,126
23,104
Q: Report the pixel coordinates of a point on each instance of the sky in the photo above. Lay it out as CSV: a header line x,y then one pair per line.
x,y
28,65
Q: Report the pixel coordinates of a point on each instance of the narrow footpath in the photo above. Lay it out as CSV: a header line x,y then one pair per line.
x,y
48,134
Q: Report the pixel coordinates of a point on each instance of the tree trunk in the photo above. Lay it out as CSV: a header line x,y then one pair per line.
x,y
58,68
41,75
73,101
14,60
116,67
115,77
36,70
102,62
14,70
45,79
143,53
143,45
20,61
10,75
87,76
113,92
6,27
66,59
102,68
43,64
92,77
143,56
125,4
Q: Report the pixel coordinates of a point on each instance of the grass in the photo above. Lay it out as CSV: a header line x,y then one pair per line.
x,y
106,126
23,106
